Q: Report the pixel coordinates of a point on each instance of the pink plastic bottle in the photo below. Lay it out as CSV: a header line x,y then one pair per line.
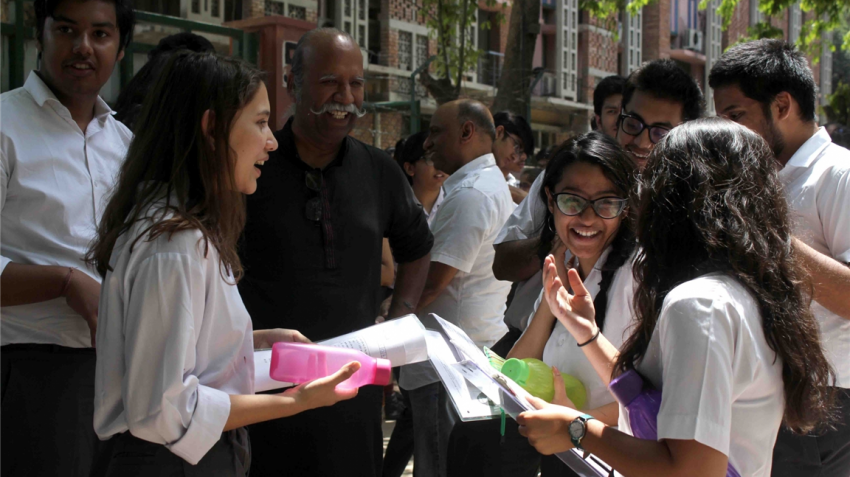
x,y
299,362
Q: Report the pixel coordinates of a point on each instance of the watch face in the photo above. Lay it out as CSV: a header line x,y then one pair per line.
x,y
576,429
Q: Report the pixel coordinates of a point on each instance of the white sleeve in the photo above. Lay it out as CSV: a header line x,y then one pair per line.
x,y
4,186
464,221
163,399
833,203
697,346
527,218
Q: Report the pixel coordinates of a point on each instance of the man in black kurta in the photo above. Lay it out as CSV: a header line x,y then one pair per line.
x,y
312,253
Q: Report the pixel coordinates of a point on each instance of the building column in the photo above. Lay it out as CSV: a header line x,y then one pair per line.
x,y
253,8
656,30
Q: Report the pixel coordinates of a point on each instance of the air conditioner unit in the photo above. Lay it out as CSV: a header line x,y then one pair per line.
x,y
692,40
549,85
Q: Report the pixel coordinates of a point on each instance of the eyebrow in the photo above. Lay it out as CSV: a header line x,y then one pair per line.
x,y
665,123
731,106
64,19
604,193
264,112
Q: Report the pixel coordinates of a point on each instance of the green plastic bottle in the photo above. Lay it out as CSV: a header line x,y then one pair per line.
x,y
536,377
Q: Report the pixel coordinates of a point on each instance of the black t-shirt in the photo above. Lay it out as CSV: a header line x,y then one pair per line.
x,y
323,277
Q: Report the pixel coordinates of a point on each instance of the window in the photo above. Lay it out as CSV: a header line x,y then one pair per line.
x,y
196,6
405,50
421,49
273,8
632,25
361,36
361,10
347,27
299,13
566,37
214,9
348,9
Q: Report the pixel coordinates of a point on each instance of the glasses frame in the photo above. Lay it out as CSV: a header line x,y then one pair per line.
x,y
592,204
643,126
518,150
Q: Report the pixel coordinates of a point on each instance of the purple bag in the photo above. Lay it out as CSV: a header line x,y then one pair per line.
x,y
643,403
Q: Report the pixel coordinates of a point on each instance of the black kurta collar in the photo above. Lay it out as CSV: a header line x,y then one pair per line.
x,y
286,144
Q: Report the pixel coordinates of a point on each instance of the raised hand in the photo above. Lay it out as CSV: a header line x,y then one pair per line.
x,y
323,392
574,310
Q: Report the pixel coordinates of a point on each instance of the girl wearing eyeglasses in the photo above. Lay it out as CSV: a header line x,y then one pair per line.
x,y
174,383
586,186
722,326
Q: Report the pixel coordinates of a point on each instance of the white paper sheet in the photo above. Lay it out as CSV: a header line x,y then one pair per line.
x,y
402,341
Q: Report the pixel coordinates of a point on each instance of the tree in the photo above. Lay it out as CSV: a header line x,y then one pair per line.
x,y
512,94
451,22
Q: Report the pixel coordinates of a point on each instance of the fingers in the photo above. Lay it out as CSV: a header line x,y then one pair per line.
x,y
560,391
299,338
577,285
344,373
537,402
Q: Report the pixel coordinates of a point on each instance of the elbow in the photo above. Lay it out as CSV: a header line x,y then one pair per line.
x,y
501,270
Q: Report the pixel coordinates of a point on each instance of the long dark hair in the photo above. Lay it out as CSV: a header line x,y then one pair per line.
x,y
171,159
711,201
600,150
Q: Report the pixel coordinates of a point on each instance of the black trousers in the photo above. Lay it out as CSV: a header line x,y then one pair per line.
x,y
47,411
826,455
134,457
341,440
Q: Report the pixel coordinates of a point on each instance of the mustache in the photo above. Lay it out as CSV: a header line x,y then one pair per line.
x,y
348,108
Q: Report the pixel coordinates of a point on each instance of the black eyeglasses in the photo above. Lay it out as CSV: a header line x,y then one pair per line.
x,y
634,126
518,150
605,207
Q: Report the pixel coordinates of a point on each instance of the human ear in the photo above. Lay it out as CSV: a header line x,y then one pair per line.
x,y
781,105
409,169
550,201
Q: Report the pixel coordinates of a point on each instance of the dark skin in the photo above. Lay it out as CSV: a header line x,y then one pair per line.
x,y
80,45
333,73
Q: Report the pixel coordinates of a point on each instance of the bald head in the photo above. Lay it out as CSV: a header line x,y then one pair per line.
x,y
460,131
318,43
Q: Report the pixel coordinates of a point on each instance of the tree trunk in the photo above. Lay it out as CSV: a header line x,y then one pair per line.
x,y
441,89
516,75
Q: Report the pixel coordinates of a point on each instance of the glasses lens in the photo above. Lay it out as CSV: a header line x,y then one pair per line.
x,y
632,126
313,179
609,208
313,210
657,133
570,204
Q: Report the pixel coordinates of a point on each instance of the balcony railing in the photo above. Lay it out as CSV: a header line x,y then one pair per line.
x,y
490,67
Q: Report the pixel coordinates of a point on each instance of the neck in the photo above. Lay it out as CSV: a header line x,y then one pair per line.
x,y
795,139
314,151
505,171
81,107
585,265
426,197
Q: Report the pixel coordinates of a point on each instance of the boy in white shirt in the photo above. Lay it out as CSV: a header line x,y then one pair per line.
x,y
767,86
61,151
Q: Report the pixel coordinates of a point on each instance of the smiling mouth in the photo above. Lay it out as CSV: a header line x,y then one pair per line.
x,y
638,155
585,233
81,66
338,114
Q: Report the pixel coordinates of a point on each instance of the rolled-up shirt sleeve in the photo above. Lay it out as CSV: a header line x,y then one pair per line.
x,y
164,401
409,235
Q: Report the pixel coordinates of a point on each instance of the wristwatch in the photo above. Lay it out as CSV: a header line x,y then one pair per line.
x,y
578,428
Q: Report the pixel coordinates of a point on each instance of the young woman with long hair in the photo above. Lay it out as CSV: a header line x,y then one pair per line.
x,y
723,327
174,379
588,227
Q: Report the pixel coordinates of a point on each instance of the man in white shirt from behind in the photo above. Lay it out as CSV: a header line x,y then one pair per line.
x,y
60,152
460,287
767,86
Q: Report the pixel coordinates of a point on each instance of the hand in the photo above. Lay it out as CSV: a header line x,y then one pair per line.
x,y
264,339
560,398
574,311
323,392
547,429
83,294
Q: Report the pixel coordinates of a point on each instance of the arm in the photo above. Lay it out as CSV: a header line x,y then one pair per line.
x,y
533,340
830,278
547,431
22,284
517,260
408,286
517,194
439,277
387,265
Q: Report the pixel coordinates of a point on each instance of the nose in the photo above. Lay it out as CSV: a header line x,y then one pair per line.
x,y
428,143
82,45
642,140
343,94
588,215
271,142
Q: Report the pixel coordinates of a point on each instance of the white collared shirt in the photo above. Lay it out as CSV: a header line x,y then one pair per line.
x,y
562,351
817,187
477,203
54,185
174,340
525,222
435,208
721,384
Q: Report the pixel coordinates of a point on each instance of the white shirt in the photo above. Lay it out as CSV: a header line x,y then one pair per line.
x,y
430,216
817,187
173,341
512,181
525,222
477,203
54,183
720,382
562,350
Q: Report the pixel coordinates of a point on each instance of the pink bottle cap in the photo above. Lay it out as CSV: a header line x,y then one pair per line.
x,y
383,372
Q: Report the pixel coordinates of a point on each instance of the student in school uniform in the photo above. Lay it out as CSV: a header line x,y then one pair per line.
x,y
174,382
722,324
586,189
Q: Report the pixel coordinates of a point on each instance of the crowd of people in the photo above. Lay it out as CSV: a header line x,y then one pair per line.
x,y
148,251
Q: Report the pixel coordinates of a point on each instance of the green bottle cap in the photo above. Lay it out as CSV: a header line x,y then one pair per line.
x,y
517,370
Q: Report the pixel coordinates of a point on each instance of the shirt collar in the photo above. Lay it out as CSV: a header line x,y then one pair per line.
x,y
481,162
41,93
287,145
810,150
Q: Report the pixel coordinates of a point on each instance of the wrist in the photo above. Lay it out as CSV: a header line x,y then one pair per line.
x,y
67,277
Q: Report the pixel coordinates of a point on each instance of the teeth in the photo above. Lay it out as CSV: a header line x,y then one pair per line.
x,y
642,156
259,163
339,114
585,234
